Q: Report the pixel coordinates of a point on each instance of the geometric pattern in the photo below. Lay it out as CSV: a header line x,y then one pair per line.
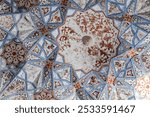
x,y
74,49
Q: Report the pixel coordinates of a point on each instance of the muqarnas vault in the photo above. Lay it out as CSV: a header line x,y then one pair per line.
x,y
74,49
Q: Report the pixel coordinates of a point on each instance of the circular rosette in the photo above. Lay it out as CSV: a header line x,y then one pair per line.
x,y
14,53
88,40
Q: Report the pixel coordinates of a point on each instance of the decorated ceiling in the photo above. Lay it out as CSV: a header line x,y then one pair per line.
x,y
74,49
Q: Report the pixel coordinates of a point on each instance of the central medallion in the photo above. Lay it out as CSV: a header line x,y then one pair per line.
x,y
88,40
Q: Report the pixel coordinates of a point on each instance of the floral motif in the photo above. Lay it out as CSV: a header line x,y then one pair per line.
x,y
2,34
6,21
143,86
111,80
14,53
132,53
43,95
15,86
127,17
26,4
20,97
49,64
6,75
74,49
88,40
146,59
